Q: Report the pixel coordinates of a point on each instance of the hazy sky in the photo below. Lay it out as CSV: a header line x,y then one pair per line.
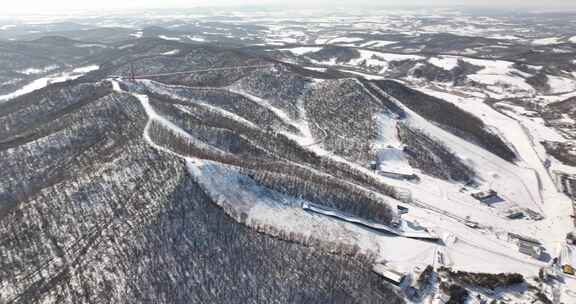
x,y
36,6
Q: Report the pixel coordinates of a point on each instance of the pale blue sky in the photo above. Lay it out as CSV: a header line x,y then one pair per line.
x,y
59,5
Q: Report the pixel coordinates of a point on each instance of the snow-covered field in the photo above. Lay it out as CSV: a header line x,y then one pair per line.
x,y
341,40
560,85
497,78
44,81
444,62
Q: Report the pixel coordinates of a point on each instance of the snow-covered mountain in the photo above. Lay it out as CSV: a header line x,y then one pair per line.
x,y
255,159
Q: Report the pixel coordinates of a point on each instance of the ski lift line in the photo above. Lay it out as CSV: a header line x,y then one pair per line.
x,y
198,71
472,244
534,201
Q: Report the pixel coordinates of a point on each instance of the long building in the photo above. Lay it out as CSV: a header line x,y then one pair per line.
x,y
420,234
566,183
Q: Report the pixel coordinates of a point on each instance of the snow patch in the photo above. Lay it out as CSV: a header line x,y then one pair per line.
x,y
34,71
170,38
137,35
45,81
345,40
547,41
377,43
302,50
6,27
85,69
444,62
125,46
90,45
172,52
196,38
561,84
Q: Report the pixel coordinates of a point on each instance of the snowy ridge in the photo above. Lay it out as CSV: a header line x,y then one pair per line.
x,y
164,90
45,81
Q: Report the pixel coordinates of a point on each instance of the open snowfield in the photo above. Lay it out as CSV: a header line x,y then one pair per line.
x,y
444,62
44,81
341,40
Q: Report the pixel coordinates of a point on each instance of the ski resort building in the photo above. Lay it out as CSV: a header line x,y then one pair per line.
x,y
402,210
522,238
527,245
567,258
389,274
408,177
397,229
530,249
571,238
566,183
484,195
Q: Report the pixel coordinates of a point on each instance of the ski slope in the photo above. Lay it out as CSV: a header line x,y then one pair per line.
x,y
439,205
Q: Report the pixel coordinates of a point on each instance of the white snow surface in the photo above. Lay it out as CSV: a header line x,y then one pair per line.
x,y
85,69
444,62
172,52
137,35
302,50
45,81
196,38
372,59
377,43
33,71
125,46
345,40
170,38
547,41
567,255
466,250
527,184
561,84
90,45
501,78
473,250
377,60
